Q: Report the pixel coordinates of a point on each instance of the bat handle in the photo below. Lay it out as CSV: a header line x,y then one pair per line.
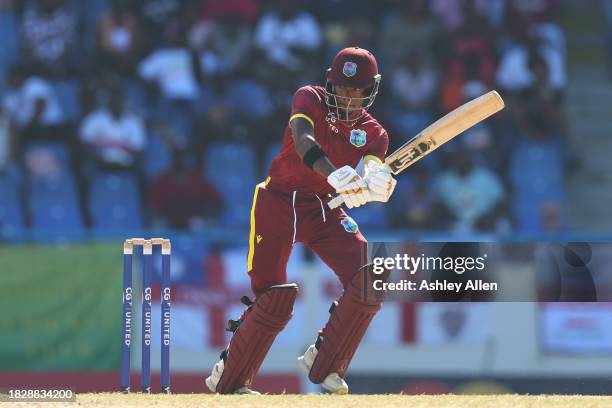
x,y
335,202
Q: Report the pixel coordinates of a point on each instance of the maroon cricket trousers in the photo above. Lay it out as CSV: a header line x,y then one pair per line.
x,y
280,219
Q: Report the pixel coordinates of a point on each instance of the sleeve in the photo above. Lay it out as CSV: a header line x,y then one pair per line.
x,y
378,149
306,104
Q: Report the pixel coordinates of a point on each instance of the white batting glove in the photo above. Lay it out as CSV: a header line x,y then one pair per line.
x,y
380,182
355,194
341,177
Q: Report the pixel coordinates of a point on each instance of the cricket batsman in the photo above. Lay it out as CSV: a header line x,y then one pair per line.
x,y
328,133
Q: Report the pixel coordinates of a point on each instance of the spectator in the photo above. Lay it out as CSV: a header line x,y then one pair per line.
x,y
540,96
226,48
532,12
154,14
452,13
413,89
341,11
212,10
33,106
514,74
470,45
412,28
183,198
48,29
452,86
170,68
112,137
118,39
472,196
288,38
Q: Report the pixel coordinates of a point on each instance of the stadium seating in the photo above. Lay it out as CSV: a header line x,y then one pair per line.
x,y
157,157
67,93
114,204
9,32
231,167
271,152
249,98
537,177
55,209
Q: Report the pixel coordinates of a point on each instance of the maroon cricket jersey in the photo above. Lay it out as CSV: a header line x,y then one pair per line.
x,y
343,144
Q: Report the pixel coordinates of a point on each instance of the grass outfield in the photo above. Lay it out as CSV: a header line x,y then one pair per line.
x,y
329,401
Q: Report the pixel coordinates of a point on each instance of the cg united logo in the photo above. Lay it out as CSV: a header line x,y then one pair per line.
x,y
349,69
358,137
349,225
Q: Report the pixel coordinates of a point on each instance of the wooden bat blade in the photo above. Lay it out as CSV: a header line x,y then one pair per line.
x,y
441,131
444,129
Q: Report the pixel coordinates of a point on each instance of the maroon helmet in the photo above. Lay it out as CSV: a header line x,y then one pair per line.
x,y
356,68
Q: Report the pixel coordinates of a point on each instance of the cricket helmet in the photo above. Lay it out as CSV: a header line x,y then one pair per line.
x,y
356,68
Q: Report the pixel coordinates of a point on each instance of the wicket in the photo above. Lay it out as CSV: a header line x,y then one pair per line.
x,y
126,332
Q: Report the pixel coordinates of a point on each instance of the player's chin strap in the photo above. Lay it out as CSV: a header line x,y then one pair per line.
x,y
253,335
350,317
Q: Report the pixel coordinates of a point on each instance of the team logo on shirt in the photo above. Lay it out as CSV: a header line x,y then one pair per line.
x,y
358,137
349,69
349,225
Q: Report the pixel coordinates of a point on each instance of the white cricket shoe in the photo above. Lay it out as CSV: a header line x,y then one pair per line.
x,y
246,391
333,382
215,376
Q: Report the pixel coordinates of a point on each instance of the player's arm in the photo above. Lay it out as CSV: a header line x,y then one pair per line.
x,y
344,180
304,141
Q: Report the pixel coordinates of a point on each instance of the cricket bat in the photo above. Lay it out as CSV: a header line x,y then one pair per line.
x,y
441,131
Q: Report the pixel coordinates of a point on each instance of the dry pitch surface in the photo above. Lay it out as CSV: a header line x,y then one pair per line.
x,y
328,401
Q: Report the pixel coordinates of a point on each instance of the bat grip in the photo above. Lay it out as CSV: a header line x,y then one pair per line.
x,y
335,202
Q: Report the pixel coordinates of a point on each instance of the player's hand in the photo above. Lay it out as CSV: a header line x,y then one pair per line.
x,y
355,194
342,177
380,182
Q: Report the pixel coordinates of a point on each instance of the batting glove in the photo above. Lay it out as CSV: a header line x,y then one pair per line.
x,y
355,194
379,181
342,177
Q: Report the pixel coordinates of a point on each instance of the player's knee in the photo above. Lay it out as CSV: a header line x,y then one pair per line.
x,y
361,287
275,305
272,308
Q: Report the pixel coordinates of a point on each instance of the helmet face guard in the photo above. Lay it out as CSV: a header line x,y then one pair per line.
x,y
344,112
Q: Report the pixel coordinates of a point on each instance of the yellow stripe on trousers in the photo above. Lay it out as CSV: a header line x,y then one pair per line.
x,y
252,232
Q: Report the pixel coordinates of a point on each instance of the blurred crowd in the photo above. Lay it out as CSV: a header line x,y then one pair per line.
x,y
165,113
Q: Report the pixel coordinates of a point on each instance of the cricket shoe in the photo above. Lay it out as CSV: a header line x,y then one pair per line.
x,y
215,376
333,382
